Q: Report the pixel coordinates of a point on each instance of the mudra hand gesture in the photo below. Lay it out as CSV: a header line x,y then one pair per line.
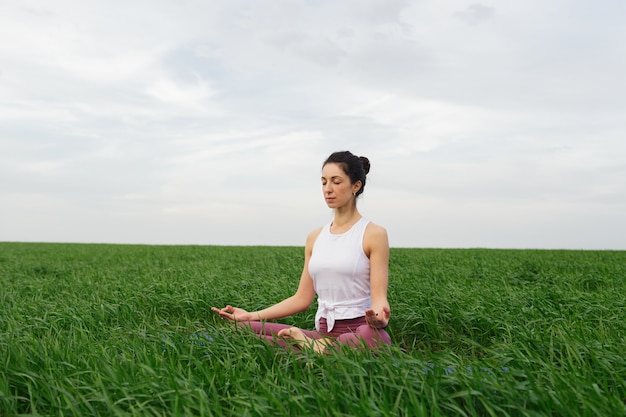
x,y
235,314
378,319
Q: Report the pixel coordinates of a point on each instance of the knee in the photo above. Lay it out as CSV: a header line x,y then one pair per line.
x,y
373,337
365,336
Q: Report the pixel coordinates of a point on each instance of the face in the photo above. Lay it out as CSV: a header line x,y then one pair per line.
x,y
336,186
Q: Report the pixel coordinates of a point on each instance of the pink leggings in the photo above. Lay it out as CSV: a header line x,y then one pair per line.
x,y
350,332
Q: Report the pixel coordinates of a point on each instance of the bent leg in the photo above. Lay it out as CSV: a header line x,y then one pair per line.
x,y
269,332
365,335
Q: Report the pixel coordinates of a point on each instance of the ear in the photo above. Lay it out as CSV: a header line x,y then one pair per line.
x,y
356,186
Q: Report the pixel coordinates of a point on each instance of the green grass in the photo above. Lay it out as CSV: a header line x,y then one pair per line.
x,y
119,331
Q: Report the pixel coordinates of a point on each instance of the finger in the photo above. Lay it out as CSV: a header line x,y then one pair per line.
x,y
225,315
219,312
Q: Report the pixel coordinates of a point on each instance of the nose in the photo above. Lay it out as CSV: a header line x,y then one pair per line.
x,y
327,187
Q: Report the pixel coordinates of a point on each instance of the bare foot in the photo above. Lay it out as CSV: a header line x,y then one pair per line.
x,y
303,341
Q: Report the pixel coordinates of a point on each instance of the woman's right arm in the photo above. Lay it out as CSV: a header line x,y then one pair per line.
x,y
297,303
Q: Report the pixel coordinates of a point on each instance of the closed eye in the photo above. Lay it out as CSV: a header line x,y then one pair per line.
x,y
335,180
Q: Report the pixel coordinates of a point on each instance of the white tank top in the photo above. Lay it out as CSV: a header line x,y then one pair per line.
x,y
341,274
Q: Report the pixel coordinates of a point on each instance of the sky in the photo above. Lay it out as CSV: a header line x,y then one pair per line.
x,y
491,124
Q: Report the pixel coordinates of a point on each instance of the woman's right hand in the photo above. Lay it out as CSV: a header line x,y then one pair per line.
x,y
235,314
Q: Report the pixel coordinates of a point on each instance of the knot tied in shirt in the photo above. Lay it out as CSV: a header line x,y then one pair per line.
x,y
352,309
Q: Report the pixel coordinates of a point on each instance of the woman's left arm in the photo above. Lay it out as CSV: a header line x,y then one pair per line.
x,y
376,246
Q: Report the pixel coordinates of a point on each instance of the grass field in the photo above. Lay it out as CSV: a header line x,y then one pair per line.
x,y
115,330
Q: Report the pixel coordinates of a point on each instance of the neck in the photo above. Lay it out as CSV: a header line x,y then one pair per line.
x,y
345,215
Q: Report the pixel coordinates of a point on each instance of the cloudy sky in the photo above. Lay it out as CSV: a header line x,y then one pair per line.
x,y
498,124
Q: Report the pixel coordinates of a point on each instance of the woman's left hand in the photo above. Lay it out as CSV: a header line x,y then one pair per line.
x,y
378,319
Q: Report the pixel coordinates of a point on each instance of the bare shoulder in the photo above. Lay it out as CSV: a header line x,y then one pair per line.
x,y
313,234
375,232
311,238
375,239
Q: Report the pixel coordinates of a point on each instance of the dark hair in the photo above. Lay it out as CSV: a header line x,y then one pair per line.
x,y
355,167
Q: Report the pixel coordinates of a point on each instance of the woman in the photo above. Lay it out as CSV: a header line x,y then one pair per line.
x,y
345,264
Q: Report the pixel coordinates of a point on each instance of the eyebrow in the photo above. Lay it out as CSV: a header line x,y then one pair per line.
x,y
333,177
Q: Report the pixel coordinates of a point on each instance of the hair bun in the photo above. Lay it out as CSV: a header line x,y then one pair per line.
x,y
366,164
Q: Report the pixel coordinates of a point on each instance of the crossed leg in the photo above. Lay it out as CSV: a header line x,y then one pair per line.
x,y
365,335
283,335
293,337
